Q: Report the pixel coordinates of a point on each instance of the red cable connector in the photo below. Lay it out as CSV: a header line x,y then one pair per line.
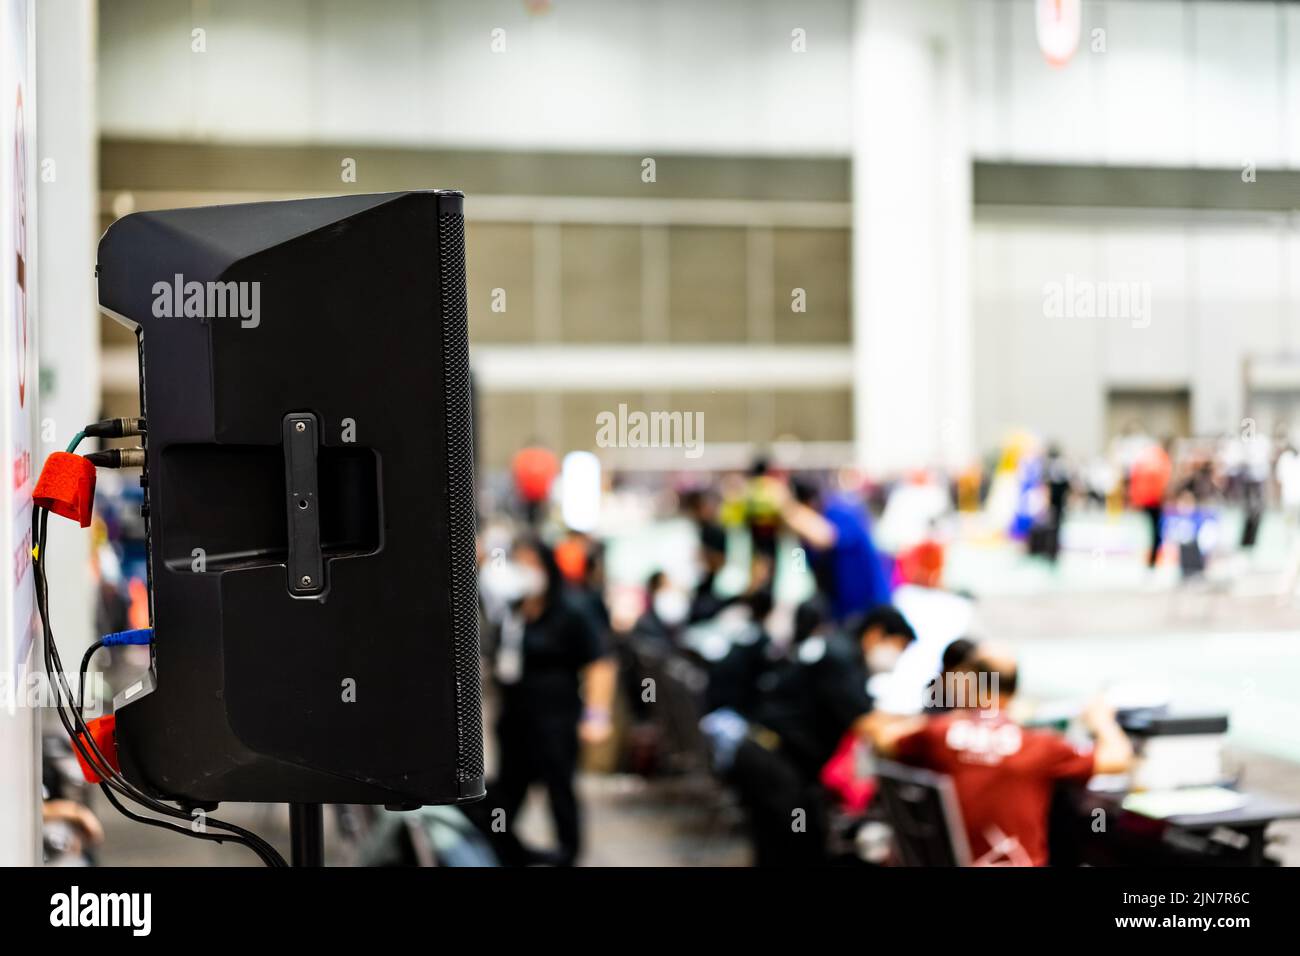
x,y
103,731
67,487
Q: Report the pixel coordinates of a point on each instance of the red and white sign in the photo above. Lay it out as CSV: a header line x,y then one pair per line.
x,y
1059,23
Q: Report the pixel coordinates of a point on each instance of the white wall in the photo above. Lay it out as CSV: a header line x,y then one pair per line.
x,y
69,315
19,650
1221,290
673,75
1179,84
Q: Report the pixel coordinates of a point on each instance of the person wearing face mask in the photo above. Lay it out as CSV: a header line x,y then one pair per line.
x,y
666,611
671,605
804,708
883,634
555,685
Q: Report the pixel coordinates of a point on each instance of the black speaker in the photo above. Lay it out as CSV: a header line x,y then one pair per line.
x,y
309,498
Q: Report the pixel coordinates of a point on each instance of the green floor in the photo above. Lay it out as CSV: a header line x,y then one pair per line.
x,y
1100,618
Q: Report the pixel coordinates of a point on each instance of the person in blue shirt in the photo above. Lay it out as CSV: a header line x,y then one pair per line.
x,y
836,533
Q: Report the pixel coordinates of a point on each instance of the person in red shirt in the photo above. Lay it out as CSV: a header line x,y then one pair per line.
x,y
1148,482
1003,774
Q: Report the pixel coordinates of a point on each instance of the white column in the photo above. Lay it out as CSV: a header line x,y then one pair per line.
x,y
911,235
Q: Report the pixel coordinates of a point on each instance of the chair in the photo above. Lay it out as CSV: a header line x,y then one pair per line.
x,y
921,808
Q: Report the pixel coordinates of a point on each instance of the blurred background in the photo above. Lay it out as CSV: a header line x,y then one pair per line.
x,y
973,263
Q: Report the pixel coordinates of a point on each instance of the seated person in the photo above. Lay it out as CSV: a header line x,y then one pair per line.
x,y
734,676
705,601
804,707
812,619
957,659
664,614
843,775
1003,774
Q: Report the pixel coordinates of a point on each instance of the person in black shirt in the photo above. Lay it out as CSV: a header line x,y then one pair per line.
x,y
1056,475
702,508
812,617
589,586
665,611
547,642
733,677
804,709
705,602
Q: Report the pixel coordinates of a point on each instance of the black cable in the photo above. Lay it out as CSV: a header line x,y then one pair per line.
x,y
116,458
109,428
85,743
115,428
89,750
82,740
81,676
176,827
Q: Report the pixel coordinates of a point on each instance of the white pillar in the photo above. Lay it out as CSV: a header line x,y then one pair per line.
x,y
911,235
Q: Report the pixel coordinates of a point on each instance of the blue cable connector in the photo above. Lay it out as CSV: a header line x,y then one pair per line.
x,y
142,635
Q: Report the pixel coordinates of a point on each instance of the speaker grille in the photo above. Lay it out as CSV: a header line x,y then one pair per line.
x,y
460,486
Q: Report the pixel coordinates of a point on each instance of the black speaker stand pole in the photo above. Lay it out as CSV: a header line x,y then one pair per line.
x,y
307,834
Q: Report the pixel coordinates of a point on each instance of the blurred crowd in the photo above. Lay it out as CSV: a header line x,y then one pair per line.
x,y
781,704
1182,487
783,645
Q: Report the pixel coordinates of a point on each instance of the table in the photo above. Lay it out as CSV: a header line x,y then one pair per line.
x,y
1234,837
